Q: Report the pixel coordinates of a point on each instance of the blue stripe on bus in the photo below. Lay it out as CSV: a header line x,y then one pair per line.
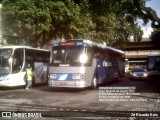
x,y
64,76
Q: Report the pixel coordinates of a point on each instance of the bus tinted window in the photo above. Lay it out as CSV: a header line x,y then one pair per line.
x,y
4,56
36,55
4,61
70,55
66,55
100,53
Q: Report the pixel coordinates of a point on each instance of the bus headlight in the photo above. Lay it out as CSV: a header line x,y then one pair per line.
x,y
76,76
83,58
52,76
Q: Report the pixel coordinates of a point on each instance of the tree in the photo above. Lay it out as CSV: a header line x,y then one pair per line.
x,y
21,17
110,21
150,14
116,21
147,13
46,19
155,37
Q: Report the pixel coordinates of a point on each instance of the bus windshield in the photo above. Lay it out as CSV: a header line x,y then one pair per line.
x,y
5,67
67,55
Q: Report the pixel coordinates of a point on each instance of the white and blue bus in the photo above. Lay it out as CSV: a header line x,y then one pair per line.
x,y
84,63
15,59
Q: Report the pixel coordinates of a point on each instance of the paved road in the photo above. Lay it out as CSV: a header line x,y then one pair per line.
x,y
44,98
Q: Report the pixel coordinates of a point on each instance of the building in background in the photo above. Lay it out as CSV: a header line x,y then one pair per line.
x,y
137,52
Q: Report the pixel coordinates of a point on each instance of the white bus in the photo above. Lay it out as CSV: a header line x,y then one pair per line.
x,y
84,63
15,59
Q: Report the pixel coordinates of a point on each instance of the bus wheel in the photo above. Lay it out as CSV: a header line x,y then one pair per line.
x,y
94,83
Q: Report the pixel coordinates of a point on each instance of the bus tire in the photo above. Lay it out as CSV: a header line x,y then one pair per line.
x,y
94,84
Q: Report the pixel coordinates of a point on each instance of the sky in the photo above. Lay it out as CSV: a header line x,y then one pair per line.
x,y
155,5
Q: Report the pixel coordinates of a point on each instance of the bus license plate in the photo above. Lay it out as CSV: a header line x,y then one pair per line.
x,y
63,83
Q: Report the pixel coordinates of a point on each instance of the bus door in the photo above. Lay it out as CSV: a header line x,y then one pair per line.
x,y
17,67
109,69
101,71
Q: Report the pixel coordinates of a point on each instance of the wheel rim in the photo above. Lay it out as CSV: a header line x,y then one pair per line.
x,y
94,82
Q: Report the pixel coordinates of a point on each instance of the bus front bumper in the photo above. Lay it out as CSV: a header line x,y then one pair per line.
x,y
69,84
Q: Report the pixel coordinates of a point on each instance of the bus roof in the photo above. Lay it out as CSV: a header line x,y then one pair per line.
x,y
26,47
137,61
93,43
102,45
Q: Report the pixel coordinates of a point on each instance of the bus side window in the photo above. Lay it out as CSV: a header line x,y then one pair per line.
x,y
97,54
90,56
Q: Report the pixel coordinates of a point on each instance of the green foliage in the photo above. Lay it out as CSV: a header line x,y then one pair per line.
x,y
116,21
104,20
31,14
155,37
